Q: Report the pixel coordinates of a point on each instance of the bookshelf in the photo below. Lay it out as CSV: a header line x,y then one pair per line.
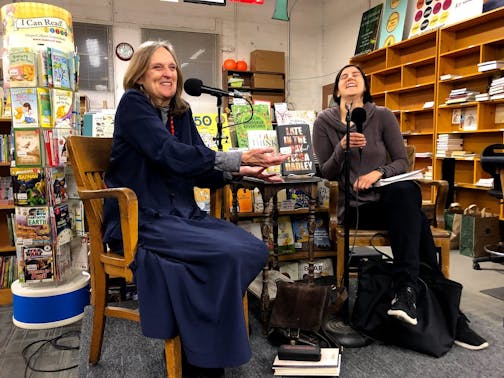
x,y
461,47
261,85
6,246
425,69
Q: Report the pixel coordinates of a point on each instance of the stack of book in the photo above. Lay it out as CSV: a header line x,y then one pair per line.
x,y
491,65
328,366
461,95
496,90
447,143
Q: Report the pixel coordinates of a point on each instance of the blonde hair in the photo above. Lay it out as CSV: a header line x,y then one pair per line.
x,y
139,65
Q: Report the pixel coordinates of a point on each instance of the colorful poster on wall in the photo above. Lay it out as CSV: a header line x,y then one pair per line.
x,y
31,24
368,31
392,26
431,14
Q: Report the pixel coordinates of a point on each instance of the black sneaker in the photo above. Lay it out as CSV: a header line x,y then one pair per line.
x,y
466,337
403,306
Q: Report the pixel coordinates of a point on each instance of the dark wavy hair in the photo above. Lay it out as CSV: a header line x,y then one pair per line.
x,y
367,93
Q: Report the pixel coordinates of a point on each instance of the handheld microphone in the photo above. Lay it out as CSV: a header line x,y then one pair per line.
x,y
359,117
195,87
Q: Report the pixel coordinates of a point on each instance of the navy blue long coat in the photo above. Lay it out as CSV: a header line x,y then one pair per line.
x,y
191,269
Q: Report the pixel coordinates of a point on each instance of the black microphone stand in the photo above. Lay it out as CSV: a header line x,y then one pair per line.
x,y
218,138
346,165
342,331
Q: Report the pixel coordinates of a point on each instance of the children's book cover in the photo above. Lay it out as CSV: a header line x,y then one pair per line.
x,y
27,147
38,263
60,69
32,225
44,107
207,128
29,187
24,104
246,118
56,182
22,67
63,224
42,70
62,107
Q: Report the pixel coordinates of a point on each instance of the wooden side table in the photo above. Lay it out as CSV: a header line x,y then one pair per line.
x,y
270,222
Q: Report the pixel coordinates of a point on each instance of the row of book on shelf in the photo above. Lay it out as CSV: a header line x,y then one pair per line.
x,y
495,91
8,271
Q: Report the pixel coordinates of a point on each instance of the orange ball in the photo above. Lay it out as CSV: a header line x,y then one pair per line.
x,y
241,65
229,64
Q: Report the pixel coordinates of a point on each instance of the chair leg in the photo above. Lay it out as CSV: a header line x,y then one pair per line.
x,y
444,245
99,302
173,357
245,313
340,260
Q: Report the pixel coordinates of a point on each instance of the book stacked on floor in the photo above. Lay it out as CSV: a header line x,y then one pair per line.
x,y
328,366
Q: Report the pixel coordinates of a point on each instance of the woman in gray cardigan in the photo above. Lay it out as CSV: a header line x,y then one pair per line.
x,y
378,152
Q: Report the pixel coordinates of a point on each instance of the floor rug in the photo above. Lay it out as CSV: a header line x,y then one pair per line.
x,y
498,292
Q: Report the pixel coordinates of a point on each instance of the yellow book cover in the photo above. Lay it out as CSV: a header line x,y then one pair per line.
x,y
44,107
22,69
62,107
207,128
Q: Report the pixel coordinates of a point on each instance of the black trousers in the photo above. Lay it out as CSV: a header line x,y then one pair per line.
x,y
399,211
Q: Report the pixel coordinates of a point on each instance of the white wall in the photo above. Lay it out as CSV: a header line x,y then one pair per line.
x,y
318,40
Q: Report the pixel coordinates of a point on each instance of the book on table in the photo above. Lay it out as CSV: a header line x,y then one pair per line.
x,y
413,175
296,140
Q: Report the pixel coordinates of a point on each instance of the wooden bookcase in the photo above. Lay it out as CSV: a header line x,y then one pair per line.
x,y
408,74
6,247
461,47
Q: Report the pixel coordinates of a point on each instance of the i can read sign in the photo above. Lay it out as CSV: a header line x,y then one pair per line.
x,y
31,24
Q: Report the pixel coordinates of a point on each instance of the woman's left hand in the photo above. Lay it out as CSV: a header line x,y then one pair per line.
x,y
366,181
246,170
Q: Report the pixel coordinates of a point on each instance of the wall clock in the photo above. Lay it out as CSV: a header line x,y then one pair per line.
x,y
124,51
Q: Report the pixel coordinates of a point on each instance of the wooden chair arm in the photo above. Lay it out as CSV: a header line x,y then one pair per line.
x,y
440,196
128,210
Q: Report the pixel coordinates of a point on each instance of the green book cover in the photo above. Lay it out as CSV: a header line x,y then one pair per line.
x,y
368,31
243,122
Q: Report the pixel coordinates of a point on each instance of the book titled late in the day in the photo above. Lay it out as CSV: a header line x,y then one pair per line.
x,y
296,140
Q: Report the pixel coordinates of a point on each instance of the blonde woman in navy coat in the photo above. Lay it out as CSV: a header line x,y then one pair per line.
x,y
191,269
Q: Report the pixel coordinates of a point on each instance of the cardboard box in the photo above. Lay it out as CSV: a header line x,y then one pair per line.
x,y
268,96
268,81
267,61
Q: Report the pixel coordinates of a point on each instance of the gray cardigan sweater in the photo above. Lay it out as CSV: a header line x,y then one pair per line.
x,y
384,148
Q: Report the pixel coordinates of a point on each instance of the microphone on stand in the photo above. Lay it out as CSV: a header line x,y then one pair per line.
x,y
358,117
195,87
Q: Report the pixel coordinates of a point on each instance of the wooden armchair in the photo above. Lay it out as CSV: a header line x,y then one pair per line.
x,y
434,210
89,157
